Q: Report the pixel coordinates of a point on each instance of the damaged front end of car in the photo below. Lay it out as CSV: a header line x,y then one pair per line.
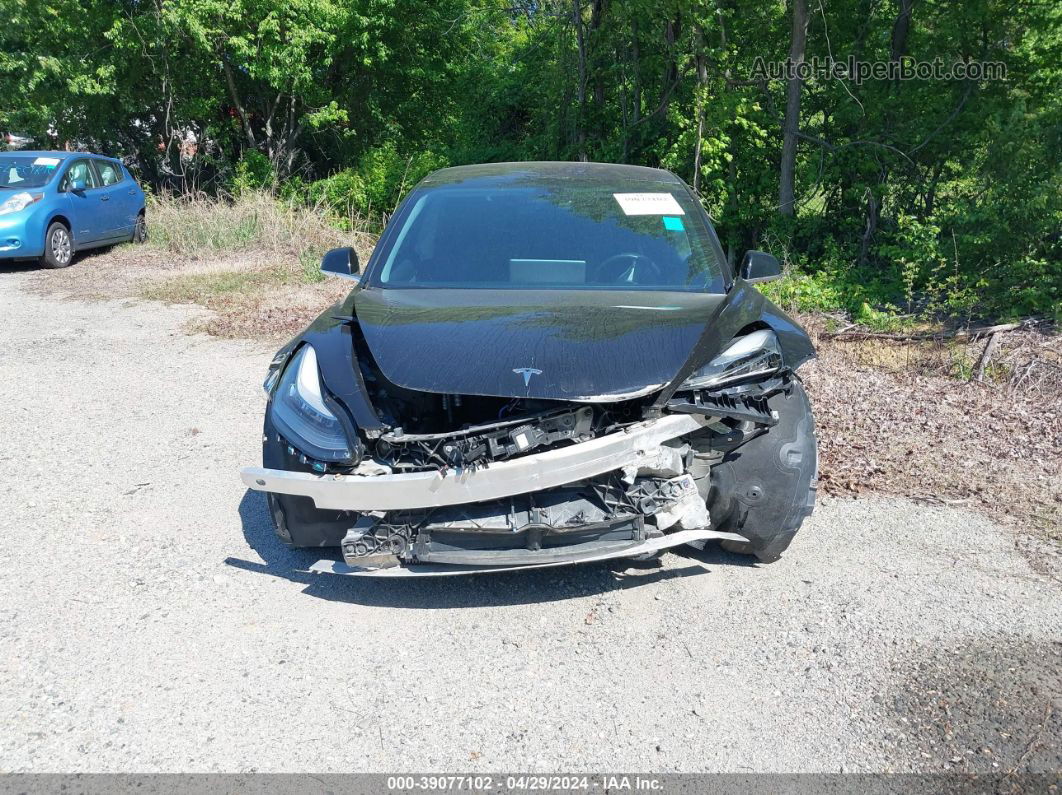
x,y
415,481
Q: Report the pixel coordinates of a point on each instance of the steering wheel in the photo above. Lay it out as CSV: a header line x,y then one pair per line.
x,y
629,267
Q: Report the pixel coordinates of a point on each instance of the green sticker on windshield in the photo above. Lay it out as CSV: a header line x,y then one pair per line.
x,y
673,224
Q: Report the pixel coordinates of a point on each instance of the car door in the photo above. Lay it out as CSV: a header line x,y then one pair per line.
x,y
115,195
84,206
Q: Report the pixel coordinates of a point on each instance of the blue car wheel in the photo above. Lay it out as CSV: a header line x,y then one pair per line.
x,y
58,247
140,233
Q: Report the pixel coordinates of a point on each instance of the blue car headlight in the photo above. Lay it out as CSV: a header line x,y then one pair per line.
x,y
300,413
20,201
747,356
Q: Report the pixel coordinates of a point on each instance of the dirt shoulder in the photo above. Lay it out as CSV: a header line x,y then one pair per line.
x,y
250,294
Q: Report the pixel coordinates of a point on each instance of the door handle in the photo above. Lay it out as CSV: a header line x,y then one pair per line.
x,y
132,193
105,198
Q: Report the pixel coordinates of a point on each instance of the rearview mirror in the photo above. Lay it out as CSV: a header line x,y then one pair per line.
x,y
759,266
341,262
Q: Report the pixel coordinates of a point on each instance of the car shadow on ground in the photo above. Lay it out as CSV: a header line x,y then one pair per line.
x,y
475,590
84,256
19,266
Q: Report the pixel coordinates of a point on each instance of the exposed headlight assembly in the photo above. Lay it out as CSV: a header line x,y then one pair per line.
x,y
20,201
300,414
751,355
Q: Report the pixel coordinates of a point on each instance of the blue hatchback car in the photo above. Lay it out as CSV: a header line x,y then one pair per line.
x,y
53,204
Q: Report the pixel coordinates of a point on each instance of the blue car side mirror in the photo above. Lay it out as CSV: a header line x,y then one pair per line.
x,y
77,185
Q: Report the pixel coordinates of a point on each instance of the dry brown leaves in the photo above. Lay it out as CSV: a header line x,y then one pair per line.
x,y
912,432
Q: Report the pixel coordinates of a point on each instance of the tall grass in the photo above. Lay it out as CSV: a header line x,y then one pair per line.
x,y
254,259
273,231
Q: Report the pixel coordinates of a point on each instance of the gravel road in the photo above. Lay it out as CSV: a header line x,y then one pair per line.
x,y
150,621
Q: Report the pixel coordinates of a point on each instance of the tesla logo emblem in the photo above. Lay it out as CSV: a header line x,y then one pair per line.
x,y
527,372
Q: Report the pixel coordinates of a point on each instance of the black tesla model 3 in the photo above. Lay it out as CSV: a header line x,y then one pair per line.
x,y
541,364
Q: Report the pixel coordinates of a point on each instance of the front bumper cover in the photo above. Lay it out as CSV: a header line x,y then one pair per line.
x,y
639,448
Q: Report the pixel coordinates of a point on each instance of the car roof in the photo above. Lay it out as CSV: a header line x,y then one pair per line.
x,y
588,173
60,153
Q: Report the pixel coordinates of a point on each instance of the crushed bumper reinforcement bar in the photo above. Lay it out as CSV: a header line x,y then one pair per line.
x,y
534,472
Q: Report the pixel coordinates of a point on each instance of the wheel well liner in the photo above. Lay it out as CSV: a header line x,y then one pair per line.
x,y
60,218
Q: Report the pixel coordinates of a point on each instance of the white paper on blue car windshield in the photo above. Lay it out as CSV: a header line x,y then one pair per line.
x,y
51,162
648,204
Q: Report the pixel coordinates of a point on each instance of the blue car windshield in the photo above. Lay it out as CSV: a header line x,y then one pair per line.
x,y
551,234
22,171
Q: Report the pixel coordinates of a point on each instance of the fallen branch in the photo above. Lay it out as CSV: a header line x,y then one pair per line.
x,y
931,499
972,333
1034,741
985,358
1015,383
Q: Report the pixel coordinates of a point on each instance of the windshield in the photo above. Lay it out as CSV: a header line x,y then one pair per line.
x,y
20,171
552,234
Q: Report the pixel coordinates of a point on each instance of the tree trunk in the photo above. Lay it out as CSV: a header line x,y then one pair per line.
x,y
597,19
870,228
230,81
702,82
580,94
636,87
797,41
900,28
671,34
897,49
732,235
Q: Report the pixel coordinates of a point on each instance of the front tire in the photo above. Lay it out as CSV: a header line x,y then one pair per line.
x,y
58,246
140,231
765,489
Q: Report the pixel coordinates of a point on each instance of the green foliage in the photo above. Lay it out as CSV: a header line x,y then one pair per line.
x,y
807,292
370,190
342,194
253,172
925,197
310,262
388,174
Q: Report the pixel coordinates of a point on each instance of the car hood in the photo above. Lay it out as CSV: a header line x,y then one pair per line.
x,y
560,345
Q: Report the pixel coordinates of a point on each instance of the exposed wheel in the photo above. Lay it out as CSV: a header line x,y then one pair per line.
x,y
58,246
765,489
140,231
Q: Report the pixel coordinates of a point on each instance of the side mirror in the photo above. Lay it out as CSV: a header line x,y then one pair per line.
x,y
759,266
78,186
341,262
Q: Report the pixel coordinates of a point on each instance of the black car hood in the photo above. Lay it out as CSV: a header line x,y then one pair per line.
x,y
560,345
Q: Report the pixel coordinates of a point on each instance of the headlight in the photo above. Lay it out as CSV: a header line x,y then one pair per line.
x,y
300,413
753,354
20,201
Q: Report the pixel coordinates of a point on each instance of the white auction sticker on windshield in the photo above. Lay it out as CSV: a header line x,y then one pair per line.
x,y
46,161
648,204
